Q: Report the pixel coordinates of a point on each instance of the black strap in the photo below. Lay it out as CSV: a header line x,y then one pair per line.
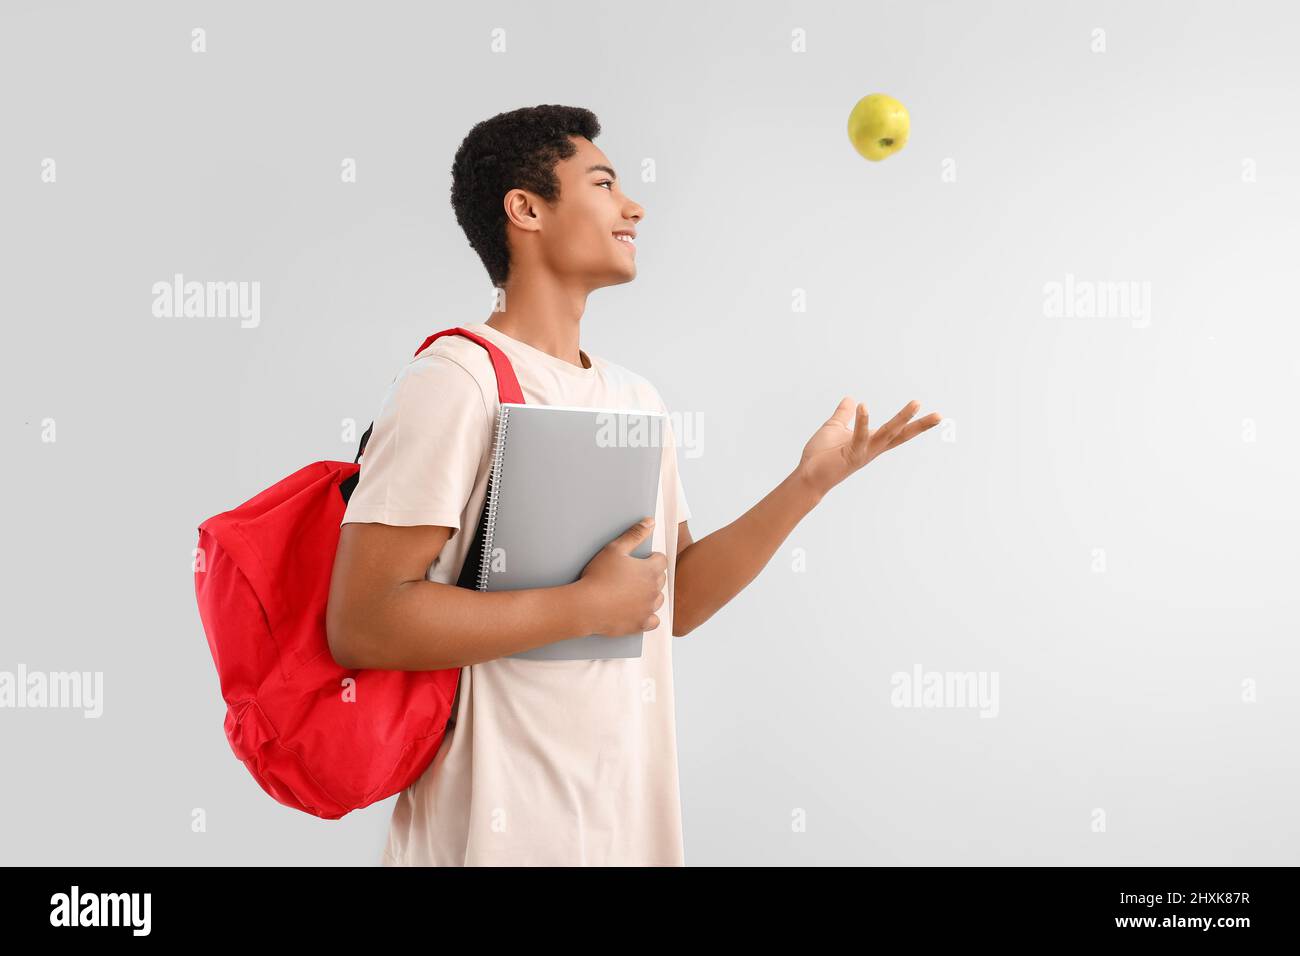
x,y
362,447
469,571
474,558
349,485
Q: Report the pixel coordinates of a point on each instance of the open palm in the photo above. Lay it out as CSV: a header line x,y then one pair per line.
x,y
842,446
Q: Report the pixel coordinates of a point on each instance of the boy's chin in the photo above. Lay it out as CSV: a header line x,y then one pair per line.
x,y
627,274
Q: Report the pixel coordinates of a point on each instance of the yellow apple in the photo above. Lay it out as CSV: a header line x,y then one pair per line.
x,y
878,126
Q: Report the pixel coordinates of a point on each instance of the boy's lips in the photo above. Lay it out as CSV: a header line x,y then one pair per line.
x,y
624,242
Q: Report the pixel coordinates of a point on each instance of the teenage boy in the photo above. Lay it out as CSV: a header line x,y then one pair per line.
x,y
544,762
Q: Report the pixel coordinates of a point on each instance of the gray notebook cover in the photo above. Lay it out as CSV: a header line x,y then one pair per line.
x,y
564,483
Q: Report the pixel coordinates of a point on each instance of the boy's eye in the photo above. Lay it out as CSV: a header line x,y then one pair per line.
x,y
606,182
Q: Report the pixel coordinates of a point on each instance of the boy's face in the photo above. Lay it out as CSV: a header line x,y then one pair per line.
x,y
576,236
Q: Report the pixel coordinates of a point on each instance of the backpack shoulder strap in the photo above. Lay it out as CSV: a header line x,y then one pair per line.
x,y
508,389
507,385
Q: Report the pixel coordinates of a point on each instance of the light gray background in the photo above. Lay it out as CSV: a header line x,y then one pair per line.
x,y
1119,690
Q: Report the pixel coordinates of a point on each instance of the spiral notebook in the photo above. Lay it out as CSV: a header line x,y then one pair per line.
x,y
563,483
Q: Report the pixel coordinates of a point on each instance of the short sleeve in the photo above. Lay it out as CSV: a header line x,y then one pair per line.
x,y
683,509
422,460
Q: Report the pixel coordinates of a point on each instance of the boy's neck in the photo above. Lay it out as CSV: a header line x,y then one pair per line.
x,y
548,320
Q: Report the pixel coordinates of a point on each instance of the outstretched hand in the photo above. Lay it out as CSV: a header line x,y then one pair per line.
x,y
842,446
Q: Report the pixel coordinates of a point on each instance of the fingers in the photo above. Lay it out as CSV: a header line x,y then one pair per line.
x,y
633,536
843,415
866,444
886,433
861,435
915,428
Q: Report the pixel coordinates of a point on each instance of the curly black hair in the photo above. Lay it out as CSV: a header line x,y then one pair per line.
x,y
514,150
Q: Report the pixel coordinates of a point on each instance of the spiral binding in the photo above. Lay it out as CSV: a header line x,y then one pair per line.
x,y
494,492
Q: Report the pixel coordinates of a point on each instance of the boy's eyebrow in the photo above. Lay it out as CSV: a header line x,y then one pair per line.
x,y
602,169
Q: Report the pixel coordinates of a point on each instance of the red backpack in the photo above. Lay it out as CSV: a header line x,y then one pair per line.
x,y
318,737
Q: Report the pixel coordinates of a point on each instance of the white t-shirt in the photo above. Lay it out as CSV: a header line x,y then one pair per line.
x,y
545,762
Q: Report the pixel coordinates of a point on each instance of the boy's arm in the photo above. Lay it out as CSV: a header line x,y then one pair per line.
x,y
384,614
712,571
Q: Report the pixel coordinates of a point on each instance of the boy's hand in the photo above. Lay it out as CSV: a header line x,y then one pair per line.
x,y
624,591
838,450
